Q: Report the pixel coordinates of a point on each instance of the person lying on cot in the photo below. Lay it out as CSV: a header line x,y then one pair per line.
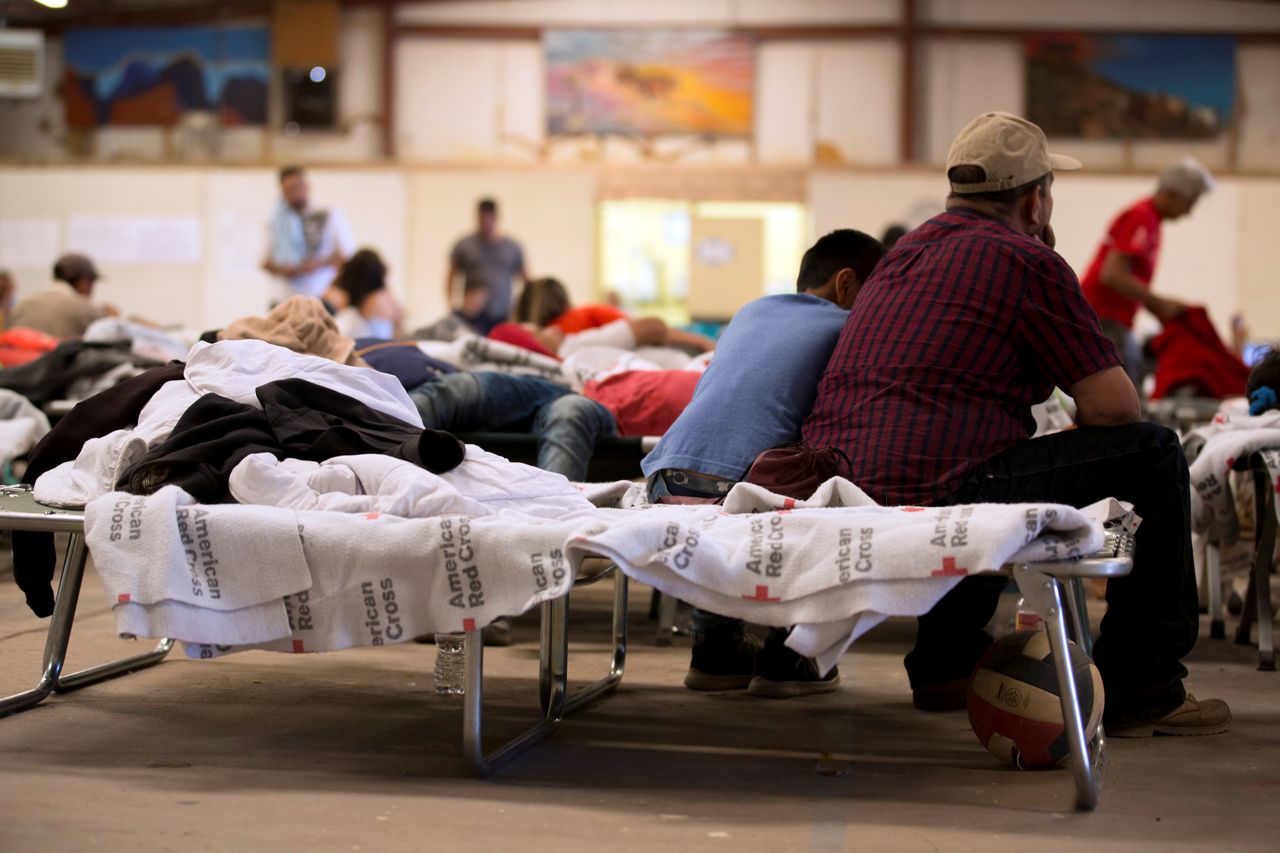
x,y
363,304
754,396
926,401
544,305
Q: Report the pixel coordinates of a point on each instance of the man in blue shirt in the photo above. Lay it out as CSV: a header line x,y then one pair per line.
x,y
753,397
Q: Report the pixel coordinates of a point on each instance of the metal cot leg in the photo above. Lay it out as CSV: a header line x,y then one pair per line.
x,y
1087,760
553,672
1213,580
1078,608
59,637
1262,570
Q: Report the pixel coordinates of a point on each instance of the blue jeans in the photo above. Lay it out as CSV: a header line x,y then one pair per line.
x,y
709,628
567,425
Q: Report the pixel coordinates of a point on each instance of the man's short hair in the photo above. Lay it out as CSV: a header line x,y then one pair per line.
x,y
841,249
977,175
291,170
487,205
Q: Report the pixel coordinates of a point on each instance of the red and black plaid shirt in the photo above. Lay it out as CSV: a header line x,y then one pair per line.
x,y
963,327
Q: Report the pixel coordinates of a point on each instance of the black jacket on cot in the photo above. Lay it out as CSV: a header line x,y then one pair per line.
x,y
113,409
49,376
298,420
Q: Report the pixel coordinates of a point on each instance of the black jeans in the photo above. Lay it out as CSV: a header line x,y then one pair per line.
x,y
1152,613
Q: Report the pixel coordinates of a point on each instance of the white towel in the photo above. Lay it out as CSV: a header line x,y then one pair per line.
x,y
236,369
1227,439
804,564
381,580
164,548
245,626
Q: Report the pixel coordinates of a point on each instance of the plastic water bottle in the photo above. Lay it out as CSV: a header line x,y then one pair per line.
x,y
451,664
1025,618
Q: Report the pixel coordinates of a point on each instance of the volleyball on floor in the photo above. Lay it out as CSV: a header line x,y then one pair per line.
x,y
1014,706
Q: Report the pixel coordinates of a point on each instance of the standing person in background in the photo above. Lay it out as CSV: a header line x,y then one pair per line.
x,y
487,261
1118,280
65,309
307,244
7,290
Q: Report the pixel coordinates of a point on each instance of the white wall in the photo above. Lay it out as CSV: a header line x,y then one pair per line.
x,y
1222,256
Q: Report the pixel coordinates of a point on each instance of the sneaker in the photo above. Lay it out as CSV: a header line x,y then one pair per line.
x,y
723,663
1193,717
782,673
950,695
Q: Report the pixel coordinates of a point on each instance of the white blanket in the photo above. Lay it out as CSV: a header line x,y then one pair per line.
x,y
21,425
1227,439
483,484
837,562
314,580
834,565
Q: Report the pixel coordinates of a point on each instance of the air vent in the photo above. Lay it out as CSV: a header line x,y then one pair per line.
x,y
21,63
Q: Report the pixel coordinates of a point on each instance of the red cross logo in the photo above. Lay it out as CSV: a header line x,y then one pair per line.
x,y
789,503
762,594
371,516
297,647
911,508
1231,462
468,624
949,569
123,598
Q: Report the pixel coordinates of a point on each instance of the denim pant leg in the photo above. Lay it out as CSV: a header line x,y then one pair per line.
x,y
1152,614
707,626
568,429
484,400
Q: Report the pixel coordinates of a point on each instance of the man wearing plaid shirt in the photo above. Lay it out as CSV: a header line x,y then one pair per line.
x,y
968,322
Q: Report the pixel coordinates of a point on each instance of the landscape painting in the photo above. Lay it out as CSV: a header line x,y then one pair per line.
x,y
153,75
1131,86
649,83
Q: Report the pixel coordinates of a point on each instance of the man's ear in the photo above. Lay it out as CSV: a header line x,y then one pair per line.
x,y
847,287
1033,211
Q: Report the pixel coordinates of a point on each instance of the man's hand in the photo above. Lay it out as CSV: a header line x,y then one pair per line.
x,y
1165,309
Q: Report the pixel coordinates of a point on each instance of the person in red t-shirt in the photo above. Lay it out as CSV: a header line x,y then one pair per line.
x,y
1118,280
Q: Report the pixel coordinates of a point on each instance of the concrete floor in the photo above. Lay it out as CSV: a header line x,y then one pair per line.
x,y
353,751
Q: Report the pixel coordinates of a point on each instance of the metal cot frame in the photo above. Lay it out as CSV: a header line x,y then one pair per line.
x,y
1054,589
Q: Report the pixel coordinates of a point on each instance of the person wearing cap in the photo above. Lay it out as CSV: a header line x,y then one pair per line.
x,y
307,243
65,308
968,322
1118,280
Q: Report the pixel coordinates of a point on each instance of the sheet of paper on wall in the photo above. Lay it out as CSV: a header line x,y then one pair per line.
x,y
33,243
137,240
240,245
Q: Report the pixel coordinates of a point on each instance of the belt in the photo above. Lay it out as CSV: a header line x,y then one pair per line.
x,y
700,482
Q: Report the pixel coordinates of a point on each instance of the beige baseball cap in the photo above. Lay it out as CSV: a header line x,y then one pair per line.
x,y
1010,149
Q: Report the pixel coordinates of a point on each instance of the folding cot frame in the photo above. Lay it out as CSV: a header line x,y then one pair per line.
x,y
1053,589
1257,603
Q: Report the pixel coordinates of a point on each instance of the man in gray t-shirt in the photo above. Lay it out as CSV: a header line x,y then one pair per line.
x,y
487,261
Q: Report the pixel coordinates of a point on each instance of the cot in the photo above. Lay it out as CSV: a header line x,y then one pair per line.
x,y
1051,588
